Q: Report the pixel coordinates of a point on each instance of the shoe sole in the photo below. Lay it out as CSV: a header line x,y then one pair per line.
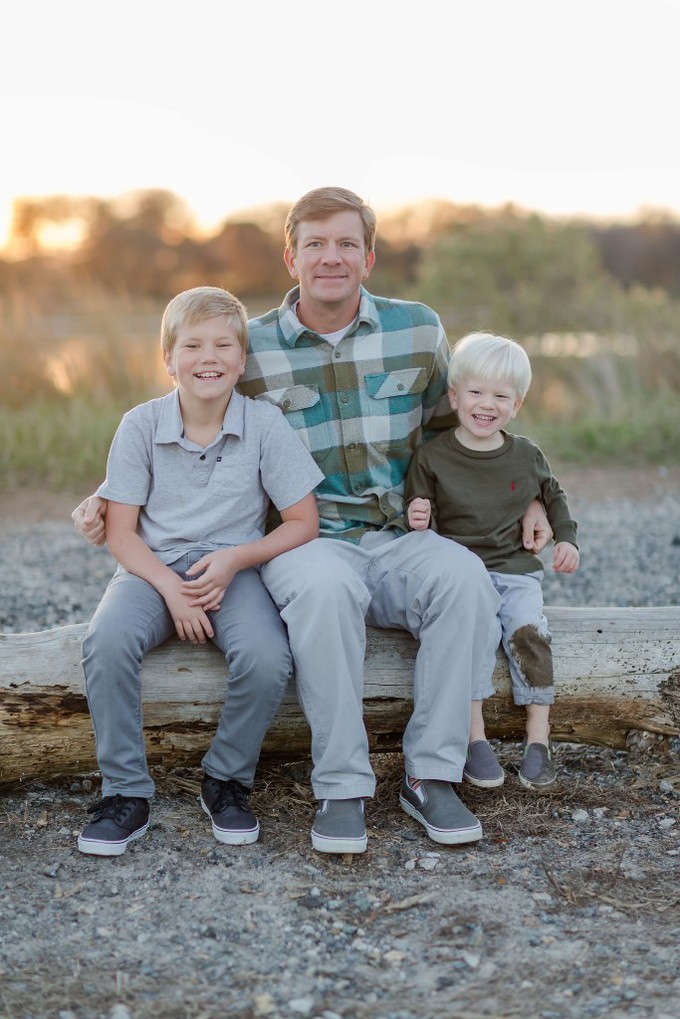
x,y
484,783
325,844
444,836
536,786
94,847
229,837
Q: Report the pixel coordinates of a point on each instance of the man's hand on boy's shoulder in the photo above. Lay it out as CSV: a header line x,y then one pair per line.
x,y
566,557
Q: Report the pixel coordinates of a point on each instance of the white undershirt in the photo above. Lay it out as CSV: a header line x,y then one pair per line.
x,y
332,338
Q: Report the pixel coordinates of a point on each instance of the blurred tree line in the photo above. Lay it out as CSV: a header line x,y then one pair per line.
x,y
502,266
597,307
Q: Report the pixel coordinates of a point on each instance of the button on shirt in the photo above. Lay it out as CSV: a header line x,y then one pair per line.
x,y
209,498
361,407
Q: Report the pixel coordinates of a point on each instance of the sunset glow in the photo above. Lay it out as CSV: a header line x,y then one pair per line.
x,y
566,109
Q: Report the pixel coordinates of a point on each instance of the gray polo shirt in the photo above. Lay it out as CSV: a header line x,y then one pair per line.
x,y
209,498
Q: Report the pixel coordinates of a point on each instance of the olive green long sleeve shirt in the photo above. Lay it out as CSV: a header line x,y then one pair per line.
x,y
478,497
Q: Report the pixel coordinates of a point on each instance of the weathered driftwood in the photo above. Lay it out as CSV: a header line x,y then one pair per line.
x,y
616,670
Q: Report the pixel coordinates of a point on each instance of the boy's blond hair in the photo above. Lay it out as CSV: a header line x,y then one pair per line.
x,y
487,356
197,305
324,202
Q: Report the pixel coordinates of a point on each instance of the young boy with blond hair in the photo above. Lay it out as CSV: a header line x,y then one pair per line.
x,y
189,481
472,484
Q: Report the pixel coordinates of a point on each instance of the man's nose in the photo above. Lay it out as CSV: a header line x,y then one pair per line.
x,y
331,252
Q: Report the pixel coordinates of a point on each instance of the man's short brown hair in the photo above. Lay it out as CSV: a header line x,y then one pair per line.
x,y
324,202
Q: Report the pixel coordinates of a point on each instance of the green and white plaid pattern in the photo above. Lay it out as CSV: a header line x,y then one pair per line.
x,y
361,408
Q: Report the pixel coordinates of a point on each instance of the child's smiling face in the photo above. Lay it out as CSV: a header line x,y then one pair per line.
x,y
207,359
484,407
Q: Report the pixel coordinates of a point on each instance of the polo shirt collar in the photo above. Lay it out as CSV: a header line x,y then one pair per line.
x,y
292,328
171,429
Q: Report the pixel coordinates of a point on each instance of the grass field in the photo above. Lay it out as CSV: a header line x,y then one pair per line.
x,y
68,378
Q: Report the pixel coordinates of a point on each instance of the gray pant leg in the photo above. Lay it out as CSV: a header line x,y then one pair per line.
x,y
526,638
441,593
321,593
131,619
250,632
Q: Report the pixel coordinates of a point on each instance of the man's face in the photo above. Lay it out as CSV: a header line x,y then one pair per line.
x,y
331,261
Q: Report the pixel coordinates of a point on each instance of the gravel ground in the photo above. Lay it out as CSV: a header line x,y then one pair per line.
x,y
568,907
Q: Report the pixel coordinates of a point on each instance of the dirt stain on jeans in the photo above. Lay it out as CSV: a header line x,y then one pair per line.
x,y
531,652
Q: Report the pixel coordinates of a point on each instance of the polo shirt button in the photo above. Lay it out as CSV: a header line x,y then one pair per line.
x,y
344,399
286,404
352,445
400,385
337,354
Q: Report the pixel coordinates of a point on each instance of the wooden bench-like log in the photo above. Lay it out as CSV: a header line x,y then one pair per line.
x,y
616,670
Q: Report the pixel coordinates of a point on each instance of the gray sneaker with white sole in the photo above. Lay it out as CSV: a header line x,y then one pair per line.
x,y
339,827
435,805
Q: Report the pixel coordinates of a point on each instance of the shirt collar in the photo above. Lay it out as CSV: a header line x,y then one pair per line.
x,y
292,328
170,427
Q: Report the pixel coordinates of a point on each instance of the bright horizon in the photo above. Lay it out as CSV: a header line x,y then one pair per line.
x,y
565,109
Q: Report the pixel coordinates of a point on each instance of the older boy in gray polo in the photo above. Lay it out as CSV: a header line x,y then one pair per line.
x,y
194,500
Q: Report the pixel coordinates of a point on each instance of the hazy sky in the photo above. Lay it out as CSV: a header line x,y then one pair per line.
x,y
562,107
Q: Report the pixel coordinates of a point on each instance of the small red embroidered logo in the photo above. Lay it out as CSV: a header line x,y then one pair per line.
x,y
512,486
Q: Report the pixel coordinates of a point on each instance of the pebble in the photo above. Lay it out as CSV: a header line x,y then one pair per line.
x,y
302,1005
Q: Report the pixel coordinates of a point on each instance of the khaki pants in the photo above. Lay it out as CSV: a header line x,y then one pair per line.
x,y
328,589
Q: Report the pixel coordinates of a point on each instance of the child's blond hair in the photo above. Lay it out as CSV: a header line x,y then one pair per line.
x,y
487,356
197,305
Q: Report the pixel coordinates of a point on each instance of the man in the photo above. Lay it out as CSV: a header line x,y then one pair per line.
x,y
363,379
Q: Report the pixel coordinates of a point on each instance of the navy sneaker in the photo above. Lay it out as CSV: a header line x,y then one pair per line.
x,y
435,805
233,822
117,821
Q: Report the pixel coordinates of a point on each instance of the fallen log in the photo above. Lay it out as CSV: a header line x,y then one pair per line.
x,y
616,670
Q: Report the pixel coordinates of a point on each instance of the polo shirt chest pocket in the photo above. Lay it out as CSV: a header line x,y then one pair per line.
x,y
303,409
394,404
234,472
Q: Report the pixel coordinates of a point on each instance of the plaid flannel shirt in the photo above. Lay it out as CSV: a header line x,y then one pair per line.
x,y
361,408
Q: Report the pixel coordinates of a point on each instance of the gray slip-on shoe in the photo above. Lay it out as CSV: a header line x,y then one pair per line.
x,y
481,767
435,805
537,770
339,827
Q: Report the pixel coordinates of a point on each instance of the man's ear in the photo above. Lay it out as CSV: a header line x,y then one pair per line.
x,y
289,259
369,263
